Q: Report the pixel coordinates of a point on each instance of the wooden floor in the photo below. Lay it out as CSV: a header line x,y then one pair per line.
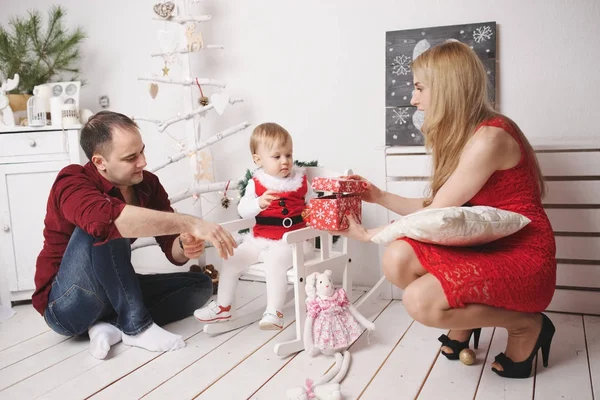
x,y
398,361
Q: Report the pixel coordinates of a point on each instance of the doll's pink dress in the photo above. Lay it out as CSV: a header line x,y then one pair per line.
x,y
334,328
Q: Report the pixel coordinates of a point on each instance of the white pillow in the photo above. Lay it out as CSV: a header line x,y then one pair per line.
x,y
454,226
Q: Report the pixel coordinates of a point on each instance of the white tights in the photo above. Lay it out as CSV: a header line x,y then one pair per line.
x,y
277,259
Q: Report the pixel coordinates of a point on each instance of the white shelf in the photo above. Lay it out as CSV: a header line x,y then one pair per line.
x,y
15,129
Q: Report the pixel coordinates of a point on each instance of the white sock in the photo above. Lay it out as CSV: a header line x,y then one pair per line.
x,y
155,338
102,336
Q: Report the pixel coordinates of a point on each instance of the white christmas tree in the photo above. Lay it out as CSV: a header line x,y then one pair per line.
x,y
194,148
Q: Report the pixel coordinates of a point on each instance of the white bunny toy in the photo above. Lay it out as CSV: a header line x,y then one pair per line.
x,y
332,325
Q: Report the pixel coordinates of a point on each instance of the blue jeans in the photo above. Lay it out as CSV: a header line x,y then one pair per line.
x,y
98,283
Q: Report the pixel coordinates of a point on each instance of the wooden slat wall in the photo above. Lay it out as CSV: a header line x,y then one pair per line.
x,y
572,172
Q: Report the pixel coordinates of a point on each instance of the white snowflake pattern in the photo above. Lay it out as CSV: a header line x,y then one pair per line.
x,y
320,214
400,116
328,221
401,65
482,34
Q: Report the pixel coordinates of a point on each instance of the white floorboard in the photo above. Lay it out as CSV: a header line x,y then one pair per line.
x,y
151,375
408,365
86,376
24,325
30,347
368,357
400,362
302,366
457,381
494,387
194,380
592,335
567,376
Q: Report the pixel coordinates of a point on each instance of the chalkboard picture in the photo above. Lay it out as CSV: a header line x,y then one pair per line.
x,y
403,120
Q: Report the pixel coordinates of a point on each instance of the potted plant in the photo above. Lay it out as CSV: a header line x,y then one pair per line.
x,y
39,54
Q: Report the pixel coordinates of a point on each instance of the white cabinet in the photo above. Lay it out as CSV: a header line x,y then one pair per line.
x,y
29,162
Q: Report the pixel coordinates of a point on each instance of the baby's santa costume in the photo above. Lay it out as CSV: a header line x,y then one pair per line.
x,y
263,245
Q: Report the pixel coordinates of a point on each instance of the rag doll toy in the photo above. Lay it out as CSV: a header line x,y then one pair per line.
x,y
332,325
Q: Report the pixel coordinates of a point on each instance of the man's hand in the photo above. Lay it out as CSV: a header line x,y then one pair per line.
x,y
267,198
215,234
192,247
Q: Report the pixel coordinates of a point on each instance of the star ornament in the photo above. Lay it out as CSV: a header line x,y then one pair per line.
x,y
165,70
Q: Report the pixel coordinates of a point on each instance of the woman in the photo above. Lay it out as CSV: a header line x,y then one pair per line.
x,y
479,158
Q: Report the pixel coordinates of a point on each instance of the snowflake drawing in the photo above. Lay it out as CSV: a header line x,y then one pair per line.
x,y
482,34
401,65
328,221
400,116
320,214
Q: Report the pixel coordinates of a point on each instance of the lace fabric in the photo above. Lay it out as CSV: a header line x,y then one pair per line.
x,y
517,272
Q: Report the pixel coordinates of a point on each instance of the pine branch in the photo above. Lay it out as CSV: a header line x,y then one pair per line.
x,y
39,54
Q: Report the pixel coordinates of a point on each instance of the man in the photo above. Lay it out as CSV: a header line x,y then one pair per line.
x,y
85,282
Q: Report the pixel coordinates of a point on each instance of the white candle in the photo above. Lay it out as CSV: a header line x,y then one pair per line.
x,y
56,104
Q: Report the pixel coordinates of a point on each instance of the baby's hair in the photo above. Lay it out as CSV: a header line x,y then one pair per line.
x,y
268,134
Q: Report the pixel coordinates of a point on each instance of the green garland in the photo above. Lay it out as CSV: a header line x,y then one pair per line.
x,y
243,183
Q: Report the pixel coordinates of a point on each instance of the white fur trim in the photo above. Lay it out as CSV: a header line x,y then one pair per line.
x,y
289,184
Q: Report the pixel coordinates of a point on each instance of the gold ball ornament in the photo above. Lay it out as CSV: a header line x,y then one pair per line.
x,y
467,356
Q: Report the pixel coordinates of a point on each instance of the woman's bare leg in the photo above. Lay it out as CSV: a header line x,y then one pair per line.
x,y
426,302
402,267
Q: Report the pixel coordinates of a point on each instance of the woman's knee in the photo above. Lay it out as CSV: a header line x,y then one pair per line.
x,y
425,301
398,264
417,305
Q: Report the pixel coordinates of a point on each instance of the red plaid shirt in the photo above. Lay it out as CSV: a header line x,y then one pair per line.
x,y
81,197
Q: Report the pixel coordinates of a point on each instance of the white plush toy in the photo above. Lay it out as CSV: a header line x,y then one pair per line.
x,y
332,325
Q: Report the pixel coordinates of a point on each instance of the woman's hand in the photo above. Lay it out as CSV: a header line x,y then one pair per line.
x,y
372,193
354,231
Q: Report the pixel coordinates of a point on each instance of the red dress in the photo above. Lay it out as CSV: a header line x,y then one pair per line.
x,y
517,272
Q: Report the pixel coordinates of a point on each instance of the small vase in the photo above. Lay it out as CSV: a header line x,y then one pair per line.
x,y
18,102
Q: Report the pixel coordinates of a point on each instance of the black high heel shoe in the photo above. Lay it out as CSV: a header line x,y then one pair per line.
x,y
457,346
521,370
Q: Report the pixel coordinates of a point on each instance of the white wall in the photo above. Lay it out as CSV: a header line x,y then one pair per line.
x,y
317,68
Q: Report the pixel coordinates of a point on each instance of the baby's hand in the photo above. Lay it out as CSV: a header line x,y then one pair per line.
x,y
267,198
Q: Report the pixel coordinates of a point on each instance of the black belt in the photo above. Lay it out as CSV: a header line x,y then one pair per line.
x,y
274,221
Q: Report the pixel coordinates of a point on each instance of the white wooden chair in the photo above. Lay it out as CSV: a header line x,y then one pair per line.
x,y
325,258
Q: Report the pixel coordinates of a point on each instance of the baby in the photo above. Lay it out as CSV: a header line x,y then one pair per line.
x,y
276,196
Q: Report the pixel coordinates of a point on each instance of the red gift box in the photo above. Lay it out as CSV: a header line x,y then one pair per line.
x,y
329,212
337,185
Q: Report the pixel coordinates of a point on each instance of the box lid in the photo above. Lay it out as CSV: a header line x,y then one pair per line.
x,y
337,185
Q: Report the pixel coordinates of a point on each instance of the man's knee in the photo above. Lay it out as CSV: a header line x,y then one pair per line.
x,y
200,280
397,262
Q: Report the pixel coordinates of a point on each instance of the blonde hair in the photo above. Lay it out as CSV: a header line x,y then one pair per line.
x,y
458,104
268,134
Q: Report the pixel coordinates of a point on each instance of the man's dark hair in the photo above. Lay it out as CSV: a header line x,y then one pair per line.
x,y
96,134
